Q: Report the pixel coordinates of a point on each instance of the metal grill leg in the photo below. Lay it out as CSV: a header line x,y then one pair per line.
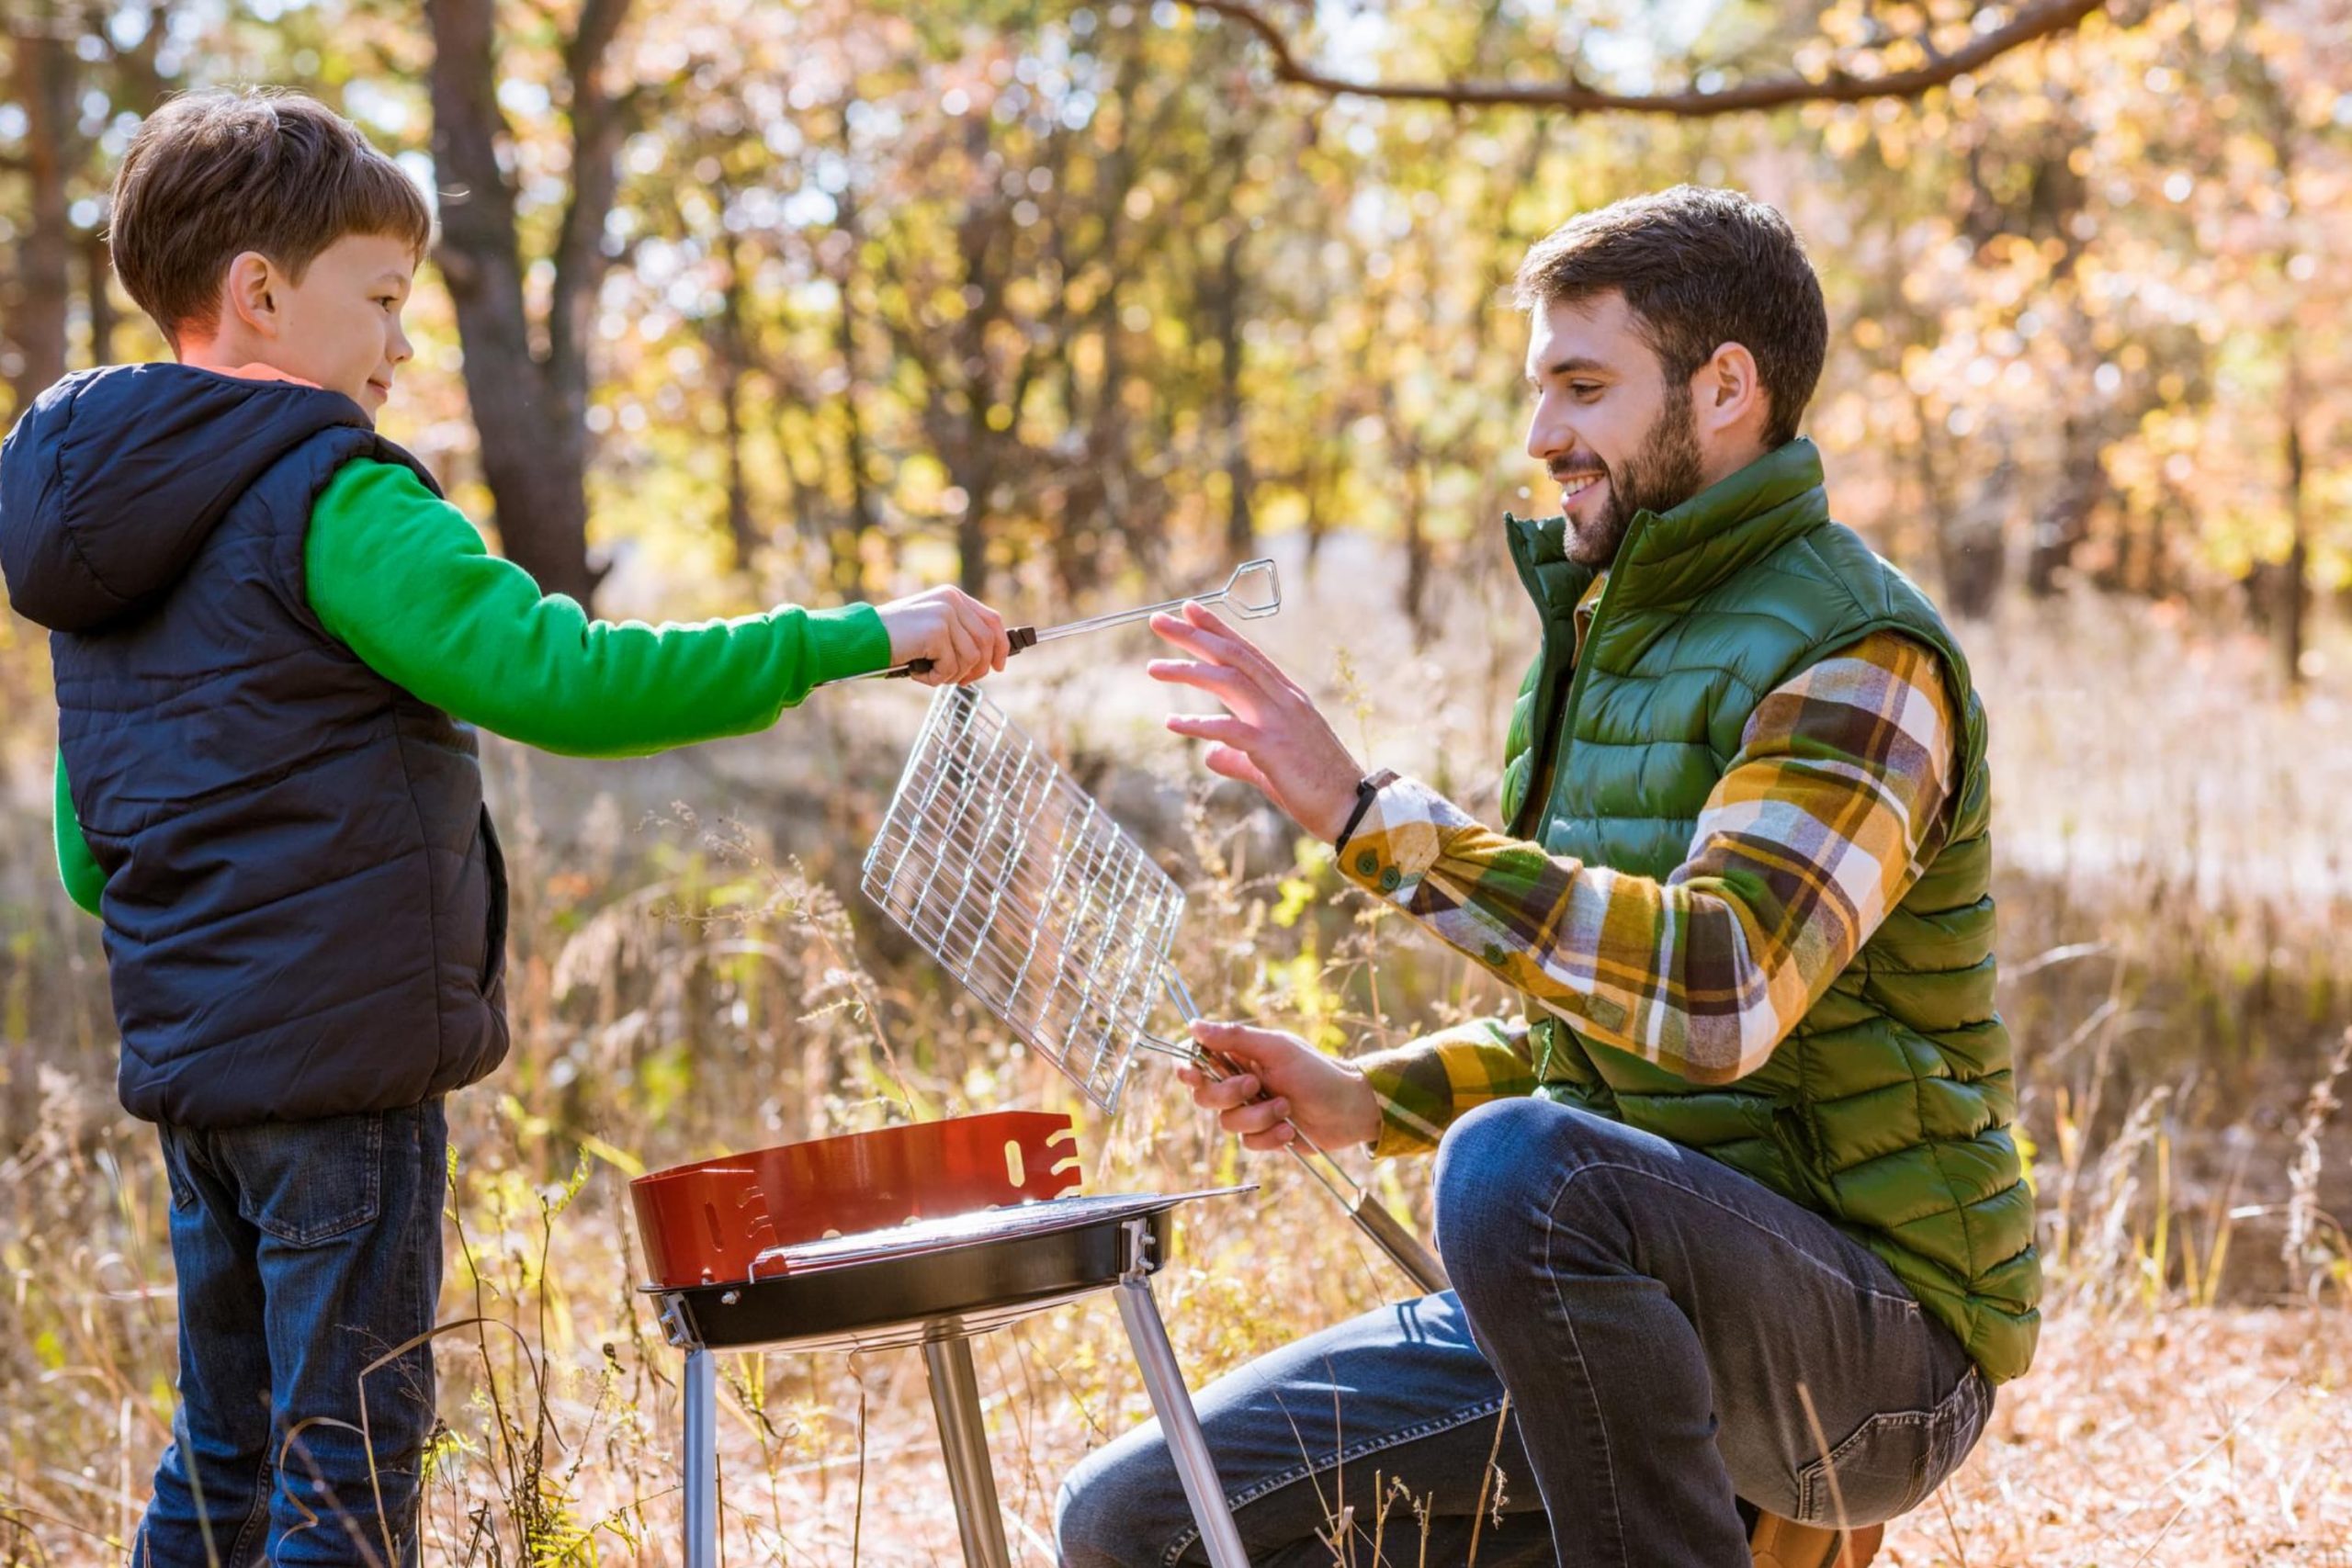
x,y
956,1402
1173,1403
702,1460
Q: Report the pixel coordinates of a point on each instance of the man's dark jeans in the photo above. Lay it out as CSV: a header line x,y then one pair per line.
x,y
1654,1315
306,1250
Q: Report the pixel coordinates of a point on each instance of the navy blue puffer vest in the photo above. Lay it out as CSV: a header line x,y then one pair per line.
x,y
304,905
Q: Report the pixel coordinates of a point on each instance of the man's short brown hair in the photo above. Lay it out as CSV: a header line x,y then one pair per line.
x,y
212,175
1700,268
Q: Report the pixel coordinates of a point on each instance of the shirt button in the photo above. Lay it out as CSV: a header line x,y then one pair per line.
x,y
1389,879
1367,863
1494,955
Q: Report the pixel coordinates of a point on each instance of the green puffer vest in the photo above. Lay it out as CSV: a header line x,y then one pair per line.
x,y
1888,1108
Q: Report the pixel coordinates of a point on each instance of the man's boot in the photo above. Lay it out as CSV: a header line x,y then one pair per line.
x,y
1776,1542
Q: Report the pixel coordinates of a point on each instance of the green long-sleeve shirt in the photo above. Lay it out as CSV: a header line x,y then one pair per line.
x,y
401,576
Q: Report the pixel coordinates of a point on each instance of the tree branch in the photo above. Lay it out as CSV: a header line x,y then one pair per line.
x,y
2039,19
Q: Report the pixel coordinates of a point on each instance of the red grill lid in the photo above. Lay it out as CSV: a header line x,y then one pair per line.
x,y
710,1221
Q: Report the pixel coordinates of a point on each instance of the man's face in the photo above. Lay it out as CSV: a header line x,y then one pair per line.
x,y
340,326
1613,435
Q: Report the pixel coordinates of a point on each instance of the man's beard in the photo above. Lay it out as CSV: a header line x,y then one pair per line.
x,y
1663,475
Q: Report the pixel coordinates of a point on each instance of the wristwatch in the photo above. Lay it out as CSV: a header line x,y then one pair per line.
x,y
1366,787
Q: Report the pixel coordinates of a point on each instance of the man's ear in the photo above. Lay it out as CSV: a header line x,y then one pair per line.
x,y
1727,396
252,292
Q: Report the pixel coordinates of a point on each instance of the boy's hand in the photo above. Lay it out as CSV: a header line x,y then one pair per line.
x,y
1329,1100
963,638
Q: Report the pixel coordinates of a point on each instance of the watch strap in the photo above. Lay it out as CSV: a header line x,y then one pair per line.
x,y
1368,787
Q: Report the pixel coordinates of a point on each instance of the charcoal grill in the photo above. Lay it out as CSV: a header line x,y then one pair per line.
x,y
924,1234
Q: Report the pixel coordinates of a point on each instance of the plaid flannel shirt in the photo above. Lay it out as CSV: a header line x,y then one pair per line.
x,y
1825,819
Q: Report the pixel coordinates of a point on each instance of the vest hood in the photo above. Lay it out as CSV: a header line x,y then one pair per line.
x,y
114,479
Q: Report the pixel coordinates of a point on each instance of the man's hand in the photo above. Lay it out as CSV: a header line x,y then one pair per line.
x,y
963,638
1271,736
1327,1100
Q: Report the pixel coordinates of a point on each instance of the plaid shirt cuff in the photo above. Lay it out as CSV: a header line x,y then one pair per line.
x,y
1423,1085
1398,839
1408,1082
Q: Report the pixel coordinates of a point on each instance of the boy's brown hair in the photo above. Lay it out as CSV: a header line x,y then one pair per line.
x,y
1699,267
212,175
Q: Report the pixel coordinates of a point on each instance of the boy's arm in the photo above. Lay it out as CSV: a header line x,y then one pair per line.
x,y
76,867
403,578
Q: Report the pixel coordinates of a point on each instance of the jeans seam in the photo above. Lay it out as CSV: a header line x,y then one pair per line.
x,y
396,1530
1267,1485
1584,1376
1748,1220
257,1512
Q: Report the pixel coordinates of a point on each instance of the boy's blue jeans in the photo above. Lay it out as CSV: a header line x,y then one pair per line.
x,y
305,1250
1654,1315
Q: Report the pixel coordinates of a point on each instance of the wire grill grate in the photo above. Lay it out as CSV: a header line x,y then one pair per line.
x,y
1025,890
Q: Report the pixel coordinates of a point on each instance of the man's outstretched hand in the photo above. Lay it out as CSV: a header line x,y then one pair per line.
x,y
1329,1100
1270,734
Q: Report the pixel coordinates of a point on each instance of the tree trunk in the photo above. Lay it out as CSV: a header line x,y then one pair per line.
x,y
848,564
1416,596
2292,580
972,530
2065,521
975,466
733,361
530,407
1970,544
2157,577
96,267
1225,307
37,301
848,541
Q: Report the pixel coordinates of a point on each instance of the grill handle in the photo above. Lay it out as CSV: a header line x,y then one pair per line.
x,y
1405,1249
1252,592
1018,637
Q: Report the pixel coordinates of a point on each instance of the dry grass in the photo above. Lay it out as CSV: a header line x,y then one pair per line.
x,y
685,986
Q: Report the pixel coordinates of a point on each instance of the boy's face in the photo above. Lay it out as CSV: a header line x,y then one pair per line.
x,y
340,326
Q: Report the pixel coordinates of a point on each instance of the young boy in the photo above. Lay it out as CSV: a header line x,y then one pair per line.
x,y
271,636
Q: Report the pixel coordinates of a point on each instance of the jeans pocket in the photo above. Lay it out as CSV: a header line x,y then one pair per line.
x,y
1878,1472
175,1177
1892,1462
307,1182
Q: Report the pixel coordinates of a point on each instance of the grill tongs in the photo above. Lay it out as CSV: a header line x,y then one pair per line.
x,y
1252,592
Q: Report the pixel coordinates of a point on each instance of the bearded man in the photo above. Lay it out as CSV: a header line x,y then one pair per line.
x,y
1736,1231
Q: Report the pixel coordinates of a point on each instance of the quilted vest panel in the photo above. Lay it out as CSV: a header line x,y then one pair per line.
x,y
1888,1108
304,904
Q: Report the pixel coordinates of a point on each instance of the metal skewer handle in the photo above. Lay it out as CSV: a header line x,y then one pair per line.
x,y
1385,1231
1252,592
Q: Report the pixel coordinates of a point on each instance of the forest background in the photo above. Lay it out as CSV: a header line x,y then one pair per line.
x,y
740,301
